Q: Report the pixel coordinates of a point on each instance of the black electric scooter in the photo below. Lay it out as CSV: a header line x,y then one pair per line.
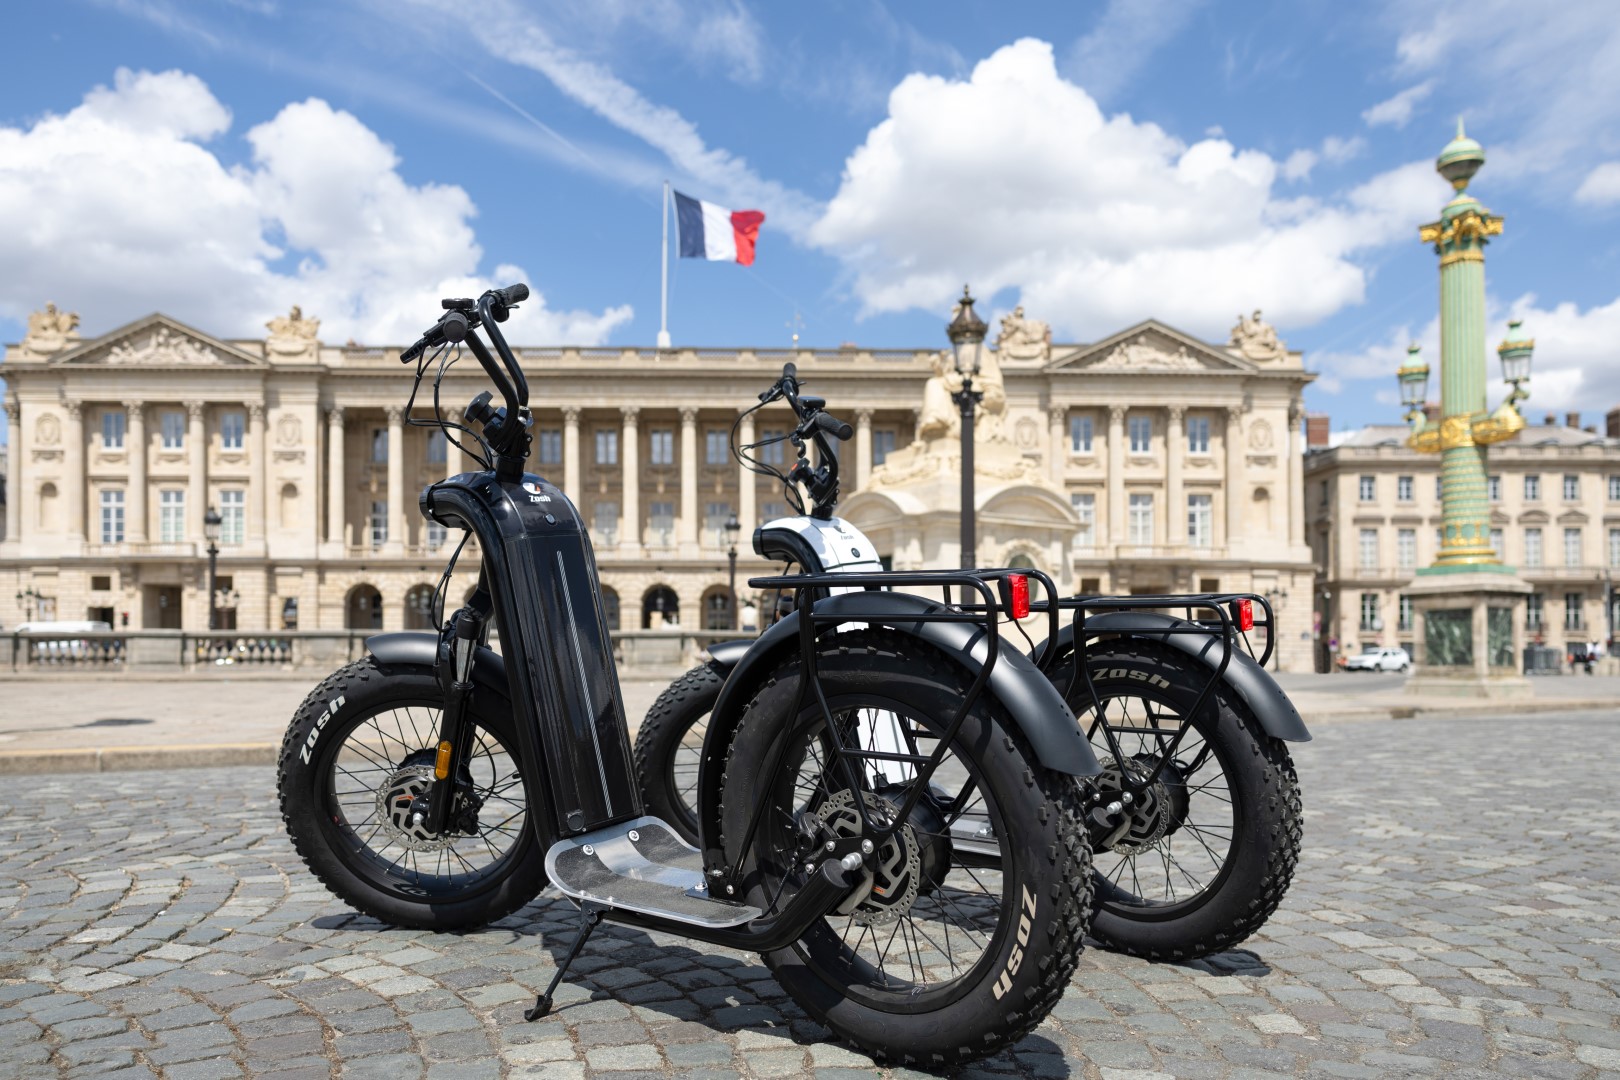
x,y
438,784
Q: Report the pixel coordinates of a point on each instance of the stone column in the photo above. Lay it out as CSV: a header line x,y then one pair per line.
x,y
1175,444
1058,461
336,488
571,455
686,530
135,444
1234,476
1296,476
630,498
1116,474
863,448
197,479
453,463
747,513
257,524
14,456
73,470
396,479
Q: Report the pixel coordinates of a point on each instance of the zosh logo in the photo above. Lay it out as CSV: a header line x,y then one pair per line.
x,y
1026,923
331,711
535,494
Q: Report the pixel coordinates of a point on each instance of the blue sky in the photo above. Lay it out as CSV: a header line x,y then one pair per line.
x,y
1100,162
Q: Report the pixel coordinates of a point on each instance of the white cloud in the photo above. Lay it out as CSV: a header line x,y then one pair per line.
x,y
1298,165
1601,186
1336,150
1398,109
117,208
1123,40
1098,220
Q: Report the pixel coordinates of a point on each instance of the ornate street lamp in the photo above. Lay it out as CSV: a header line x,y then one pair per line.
x,y
211,523
1414,377
966,331
733,527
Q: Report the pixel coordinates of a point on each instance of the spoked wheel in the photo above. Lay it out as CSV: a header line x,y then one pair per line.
x,y
1200,858
356,767
933,958
669,747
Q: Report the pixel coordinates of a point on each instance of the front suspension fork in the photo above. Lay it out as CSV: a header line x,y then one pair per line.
x,y
465,634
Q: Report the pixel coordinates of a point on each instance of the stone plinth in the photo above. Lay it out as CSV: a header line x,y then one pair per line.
x,y
1469,633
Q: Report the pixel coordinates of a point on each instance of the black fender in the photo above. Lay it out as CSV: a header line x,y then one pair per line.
x,y
728,654
1252,683
422,646
1030,699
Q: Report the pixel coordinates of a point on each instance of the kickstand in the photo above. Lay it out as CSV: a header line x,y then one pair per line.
x,y
589,915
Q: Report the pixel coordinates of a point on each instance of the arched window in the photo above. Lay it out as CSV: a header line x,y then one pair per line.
x,y
660,608
419,608
289,506
365,608
717,613
610,607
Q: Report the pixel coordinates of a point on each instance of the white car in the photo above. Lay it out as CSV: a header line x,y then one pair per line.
x,y
1379,658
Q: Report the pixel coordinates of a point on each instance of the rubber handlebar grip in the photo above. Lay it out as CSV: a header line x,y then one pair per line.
x,y
513,294
835,427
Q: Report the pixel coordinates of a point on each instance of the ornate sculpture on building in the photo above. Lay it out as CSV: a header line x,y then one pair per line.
x,y
1023,338
1148,353
163,346
941,419
1257,339
292,334
51,330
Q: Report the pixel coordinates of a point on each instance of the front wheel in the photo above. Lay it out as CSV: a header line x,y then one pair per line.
x,y
1204,856
965,931
356,759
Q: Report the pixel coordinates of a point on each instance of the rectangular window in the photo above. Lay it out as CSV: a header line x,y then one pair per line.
x,y
436,535
232,427
1368,489
715,516
379,446
1197,434
232,517
605,521
662,447
1403,488
1085,508
882,445
772,510
1406,548
112,517
1533,611
1614,489
1369,549
174,430
1572,547
379,522
770,448
1497,543
112,431
1079,434
1141,519
550,446
1614,547
716,447
437,446
1532,547
171,516
1493,488
1141,434
1369,612
1532,488
1572,486
1200,520
1403,618
607,447
660,523
1572,611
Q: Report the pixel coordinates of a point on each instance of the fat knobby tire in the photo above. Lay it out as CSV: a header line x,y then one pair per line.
x,y
368,686
1048,841
1267,828
682,704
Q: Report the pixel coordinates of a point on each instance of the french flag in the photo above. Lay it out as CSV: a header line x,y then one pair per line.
x,y
713,232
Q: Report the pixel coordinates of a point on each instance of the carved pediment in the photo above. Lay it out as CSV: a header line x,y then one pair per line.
x,y
1152,347
157,341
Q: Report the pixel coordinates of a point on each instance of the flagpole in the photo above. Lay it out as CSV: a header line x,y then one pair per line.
x,y
663,266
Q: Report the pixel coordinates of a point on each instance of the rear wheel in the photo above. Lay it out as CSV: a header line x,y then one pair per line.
x,y
355,763
1205,855
669,747
941,955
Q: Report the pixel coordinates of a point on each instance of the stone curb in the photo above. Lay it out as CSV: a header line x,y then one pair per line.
x,y
130,758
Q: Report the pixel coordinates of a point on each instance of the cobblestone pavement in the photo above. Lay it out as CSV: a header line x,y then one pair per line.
x,y
1457,912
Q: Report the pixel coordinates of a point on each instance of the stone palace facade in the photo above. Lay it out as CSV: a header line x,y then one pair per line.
x,y
1167,463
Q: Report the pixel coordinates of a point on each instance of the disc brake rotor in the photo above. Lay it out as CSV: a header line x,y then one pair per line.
x,y
1151,814
897,875
398,802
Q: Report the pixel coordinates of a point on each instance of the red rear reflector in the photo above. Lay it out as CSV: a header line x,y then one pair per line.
x,y
1244,611
1018,584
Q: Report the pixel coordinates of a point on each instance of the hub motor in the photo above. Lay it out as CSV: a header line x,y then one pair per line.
x,y
402,806
911,862
1153,813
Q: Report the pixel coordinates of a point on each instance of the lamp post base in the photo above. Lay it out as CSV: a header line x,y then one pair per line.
x,y
1470,637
